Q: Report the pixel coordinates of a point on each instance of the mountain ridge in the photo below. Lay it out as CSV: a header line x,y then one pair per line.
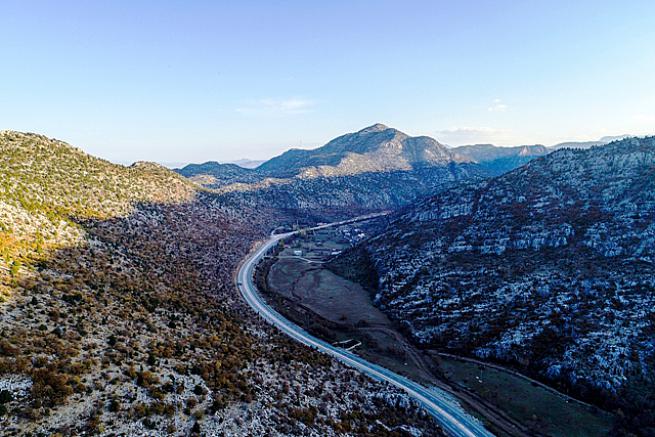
x,y
374,148
549,268
373,169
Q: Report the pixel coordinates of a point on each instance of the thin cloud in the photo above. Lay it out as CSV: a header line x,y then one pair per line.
x,y
293,105
497,106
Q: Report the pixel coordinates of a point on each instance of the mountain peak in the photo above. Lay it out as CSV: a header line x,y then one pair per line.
x,y
377,127
377,148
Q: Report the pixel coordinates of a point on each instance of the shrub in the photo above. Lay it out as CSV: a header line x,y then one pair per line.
x,y
50,388
198,390
5,396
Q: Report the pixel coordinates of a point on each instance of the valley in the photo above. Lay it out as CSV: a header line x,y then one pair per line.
x,y
327,219
301,286
119,314
432,314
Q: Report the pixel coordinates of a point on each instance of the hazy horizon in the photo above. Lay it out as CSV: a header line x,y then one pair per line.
x,y
170,82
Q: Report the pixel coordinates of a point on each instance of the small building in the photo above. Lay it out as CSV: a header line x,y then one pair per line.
x,y
297,252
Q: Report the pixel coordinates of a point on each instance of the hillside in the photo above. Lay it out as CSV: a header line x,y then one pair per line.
x,y
549,268
345,196
118,313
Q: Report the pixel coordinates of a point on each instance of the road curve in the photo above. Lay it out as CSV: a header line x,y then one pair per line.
x,y
450,415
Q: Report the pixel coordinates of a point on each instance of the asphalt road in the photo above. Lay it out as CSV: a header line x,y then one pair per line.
x,y
450,415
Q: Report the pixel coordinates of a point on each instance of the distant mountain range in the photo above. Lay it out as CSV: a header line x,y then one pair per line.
x,y
550,267
588,144
375,168
378,167
498,160
377,148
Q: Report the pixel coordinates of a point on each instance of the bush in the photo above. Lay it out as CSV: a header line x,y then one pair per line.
x,y
198,390
5,396
50,388
114,405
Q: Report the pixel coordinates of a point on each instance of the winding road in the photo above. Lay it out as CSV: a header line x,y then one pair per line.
x,y
448,413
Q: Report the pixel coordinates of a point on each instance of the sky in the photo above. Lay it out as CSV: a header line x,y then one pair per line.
x,y
192,81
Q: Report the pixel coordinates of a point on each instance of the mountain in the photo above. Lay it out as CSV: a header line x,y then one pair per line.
x,y
216,175
588,144
373,169
119,316
376,148
549,268
498,160
489,152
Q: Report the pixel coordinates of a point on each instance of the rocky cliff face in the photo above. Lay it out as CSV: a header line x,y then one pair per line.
x,y
549,267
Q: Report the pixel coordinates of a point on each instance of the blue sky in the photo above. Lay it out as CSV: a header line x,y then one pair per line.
x,y
190,81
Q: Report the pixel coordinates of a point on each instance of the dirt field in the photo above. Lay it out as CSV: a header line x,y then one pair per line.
x,y
325,293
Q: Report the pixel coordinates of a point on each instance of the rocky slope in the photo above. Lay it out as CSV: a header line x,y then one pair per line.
x,y
346,196
549,268
118,313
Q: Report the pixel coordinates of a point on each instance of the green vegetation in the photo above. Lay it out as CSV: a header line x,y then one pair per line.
x,y
543,410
